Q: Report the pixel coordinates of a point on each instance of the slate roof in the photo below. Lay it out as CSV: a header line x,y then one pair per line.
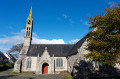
x,y
59,50
2,55
77,46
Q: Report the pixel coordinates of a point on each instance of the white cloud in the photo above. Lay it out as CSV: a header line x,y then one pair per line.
x,y
21,33
12,40
34,34
45,41
18,38
86,23
2,49
74,41
65,16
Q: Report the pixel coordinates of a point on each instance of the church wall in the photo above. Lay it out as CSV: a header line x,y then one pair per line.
x,y
33,64
71,61
80,55
64,68
27,42
82,49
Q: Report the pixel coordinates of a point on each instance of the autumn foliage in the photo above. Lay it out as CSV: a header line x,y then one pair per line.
x,y
104,41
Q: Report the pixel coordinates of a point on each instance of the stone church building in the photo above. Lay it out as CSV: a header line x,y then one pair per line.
x,y
48,58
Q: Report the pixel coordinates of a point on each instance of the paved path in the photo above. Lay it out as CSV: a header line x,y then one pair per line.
x,y
9,75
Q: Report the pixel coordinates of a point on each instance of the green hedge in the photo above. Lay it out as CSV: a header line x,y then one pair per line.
x,y
5,66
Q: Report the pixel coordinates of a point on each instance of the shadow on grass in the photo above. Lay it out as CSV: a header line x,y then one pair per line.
x,y
104,78
15,77
7,77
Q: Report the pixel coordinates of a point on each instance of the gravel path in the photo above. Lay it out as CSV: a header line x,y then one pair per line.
x,y
9,75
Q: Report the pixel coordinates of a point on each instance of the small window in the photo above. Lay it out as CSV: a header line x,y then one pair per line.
x,y
29,63
29,22
59,62
27,28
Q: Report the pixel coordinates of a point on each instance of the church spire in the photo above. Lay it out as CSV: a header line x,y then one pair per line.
x,y
30,14
28,33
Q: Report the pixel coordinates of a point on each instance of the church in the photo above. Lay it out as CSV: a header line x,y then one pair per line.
x,y
48,58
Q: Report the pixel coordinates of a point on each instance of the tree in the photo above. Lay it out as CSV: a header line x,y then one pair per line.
x,y
15,50
104,42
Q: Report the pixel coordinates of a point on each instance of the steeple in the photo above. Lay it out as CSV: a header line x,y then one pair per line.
x,y
29,26
30,14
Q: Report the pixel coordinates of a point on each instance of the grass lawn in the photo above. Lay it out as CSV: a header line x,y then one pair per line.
x,y
66,75
15,73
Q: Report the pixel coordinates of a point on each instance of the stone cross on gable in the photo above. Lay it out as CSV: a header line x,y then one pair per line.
x,y
53,55
45,54
38,55
45,49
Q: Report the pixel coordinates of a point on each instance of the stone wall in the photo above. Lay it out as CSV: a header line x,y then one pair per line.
x,y
34,64
64,68
84,69
71,60
20,63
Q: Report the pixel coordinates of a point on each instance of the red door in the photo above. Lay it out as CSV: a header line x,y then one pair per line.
x,y
45,71
45,68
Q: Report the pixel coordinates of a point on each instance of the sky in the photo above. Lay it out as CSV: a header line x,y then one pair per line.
x,y
54,21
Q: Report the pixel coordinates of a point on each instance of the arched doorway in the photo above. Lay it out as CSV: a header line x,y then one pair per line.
x,y
45,68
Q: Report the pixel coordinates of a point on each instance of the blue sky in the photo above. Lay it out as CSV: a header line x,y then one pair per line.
x,y
55,21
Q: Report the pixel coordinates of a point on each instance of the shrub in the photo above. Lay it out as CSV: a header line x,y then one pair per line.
x,y
5,66
10,65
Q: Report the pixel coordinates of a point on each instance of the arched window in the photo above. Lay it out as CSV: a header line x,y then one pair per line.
x,y
59,62
27,28
29,63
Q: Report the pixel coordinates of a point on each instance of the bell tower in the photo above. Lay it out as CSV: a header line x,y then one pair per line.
x,y
28,32
20,63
